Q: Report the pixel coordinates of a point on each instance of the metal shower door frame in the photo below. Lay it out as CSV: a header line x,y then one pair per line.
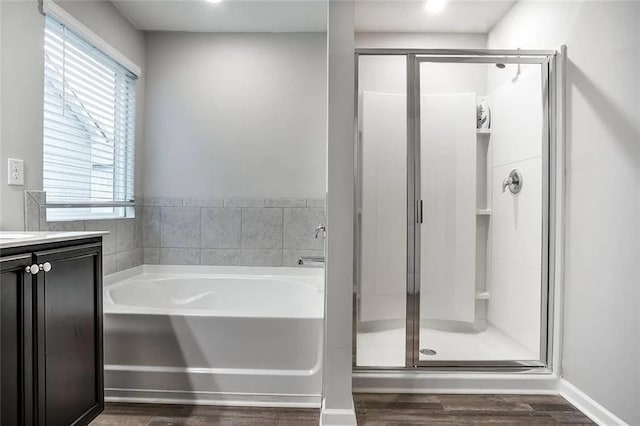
x,y
547,61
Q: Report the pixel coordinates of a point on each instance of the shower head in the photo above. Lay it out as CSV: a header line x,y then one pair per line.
x,y
501,66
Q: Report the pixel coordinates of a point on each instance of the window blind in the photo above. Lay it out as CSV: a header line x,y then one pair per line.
x,y
89,128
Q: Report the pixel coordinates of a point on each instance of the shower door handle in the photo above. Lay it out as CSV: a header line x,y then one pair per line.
x,y
419,214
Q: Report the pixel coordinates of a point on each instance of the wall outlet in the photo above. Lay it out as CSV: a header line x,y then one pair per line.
x,y
16,171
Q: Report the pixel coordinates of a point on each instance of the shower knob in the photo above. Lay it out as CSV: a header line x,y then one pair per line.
x,y
513,182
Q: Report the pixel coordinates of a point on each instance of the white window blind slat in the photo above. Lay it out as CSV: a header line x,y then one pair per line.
x,y
89,128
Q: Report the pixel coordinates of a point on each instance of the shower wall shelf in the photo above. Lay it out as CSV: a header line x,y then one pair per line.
x,y
483,295
483,222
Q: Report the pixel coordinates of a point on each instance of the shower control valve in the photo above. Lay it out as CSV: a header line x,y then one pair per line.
x,y
322,228
513,182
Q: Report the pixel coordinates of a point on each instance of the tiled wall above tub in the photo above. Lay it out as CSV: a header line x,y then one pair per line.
x,y
207,231
121,248
230,231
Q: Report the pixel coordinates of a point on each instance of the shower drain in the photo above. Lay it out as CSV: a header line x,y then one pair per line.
x,y
427,352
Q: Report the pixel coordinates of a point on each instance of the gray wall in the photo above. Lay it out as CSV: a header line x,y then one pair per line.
x,y
235,115
22,87
337,404
601,335
421,40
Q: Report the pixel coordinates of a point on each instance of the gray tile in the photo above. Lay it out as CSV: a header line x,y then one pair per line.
x,y
180,227
108,264
203,201
221,228
241,257
251,257
162,201
299,225
316,203
125,235
128,259
31,213
151,256
151,226
138,226
285,202
62,226
43,217
290,257
262,228
179,256
244,202
221,257
109,240
39,197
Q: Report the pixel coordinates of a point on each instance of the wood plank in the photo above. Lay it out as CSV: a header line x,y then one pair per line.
x,y
371,410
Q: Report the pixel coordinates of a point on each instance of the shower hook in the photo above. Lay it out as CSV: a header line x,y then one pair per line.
x,y
515,78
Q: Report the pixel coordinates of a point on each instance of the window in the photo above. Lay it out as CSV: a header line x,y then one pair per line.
x,y
89,129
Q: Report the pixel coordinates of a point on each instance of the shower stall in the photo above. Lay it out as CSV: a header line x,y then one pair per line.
x,y
454,217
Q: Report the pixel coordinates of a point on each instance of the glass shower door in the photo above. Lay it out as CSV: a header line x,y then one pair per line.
x,y
452,209
479,286
381,213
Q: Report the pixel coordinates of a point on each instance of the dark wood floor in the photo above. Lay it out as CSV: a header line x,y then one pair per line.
x,y
406,409
371,410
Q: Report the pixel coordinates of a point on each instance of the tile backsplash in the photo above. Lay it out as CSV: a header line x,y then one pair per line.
x,y
200,230
230,231
121,248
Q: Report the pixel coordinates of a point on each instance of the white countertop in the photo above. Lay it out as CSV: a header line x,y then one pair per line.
x,y
19,239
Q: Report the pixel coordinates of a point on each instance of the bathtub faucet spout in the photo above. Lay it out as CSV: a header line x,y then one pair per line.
x,y
321,228
311,260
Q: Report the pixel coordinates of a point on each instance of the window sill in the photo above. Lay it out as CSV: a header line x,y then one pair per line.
x,y
67,215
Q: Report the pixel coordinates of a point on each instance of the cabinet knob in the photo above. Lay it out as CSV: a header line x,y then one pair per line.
x,y
33,269
46,267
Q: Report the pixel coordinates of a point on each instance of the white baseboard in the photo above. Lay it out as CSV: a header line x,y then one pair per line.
x,y
461,383
587,405
337,417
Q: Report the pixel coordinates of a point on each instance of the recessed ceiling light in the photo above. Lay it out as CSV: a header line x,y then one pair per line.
x,y
214,1
435,6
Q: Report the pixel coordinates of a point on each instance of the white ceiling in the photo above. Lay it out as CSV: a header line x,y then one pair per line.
x,y
460,16
226,16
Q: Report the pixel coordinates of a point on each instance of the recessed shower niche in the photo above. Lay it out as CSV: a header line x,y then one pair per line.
x,y
452,265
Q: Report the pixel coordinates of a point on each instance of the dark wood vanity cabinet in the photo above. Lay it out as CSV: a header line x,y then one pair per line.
x,y
51,348
16,344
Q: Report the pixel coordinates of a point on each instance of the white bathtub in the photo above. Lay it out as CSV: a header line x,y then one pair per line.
x,y
219,335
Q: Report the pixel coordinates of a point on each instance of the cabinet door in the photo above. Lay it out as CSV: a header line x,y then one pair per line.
x,y
69,343
16,330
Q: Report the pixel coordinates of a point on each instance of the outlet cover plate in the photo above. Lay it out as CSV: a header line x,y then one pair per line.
x,y
16,171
